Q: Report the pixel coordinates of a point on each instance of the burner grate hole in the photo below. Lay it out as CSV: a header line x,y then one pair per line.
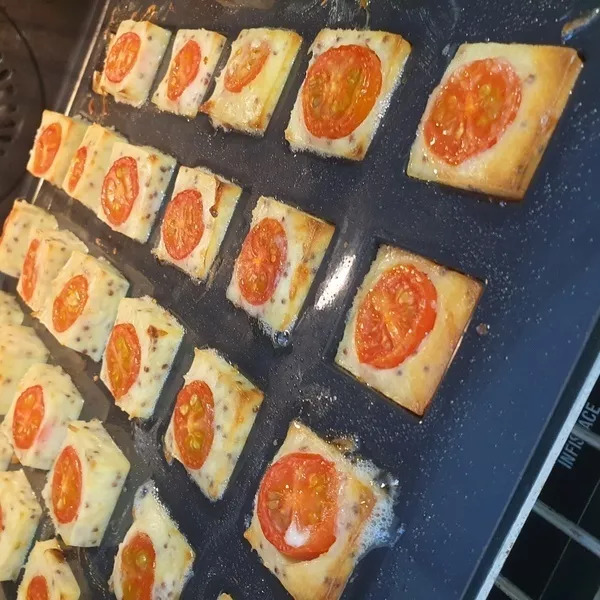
x,y
5,75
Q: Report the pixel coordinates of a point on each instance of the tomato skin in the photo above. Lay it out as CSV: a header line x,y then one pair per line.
x,y
183,224
193,423
29,271
473,110
300,489
261,261
395,316
28,416
138,565
78,167
122,56
123,356
66,485
69,303
184,70
38,589
341,88
245,65
120,188
46,148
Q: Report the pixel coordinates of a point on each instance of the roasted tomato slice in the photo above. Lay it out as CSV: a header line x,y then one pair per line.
x,y
28,415
297,505
78,167
122,56
183,224
46,147
66,485
123,356
261,261
245,65
120,188
473,109
394,318
138,564
38,589
340,90
69,303
184,69
193,422
29,272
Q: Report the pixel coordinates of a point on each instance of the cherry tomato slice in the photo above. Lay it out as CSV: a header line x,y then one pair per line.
x,y
261,261
123,356
194,423
183,224
46,147
78,167
184,70
29,271
395,316
341,88
69,303
120,189
38,589
66,485
28,416
138,564
122,56
297,505
245,65
473,109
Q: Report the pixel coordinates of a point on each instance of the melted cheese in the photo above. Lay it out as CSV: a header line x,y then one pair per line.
x,y
23,218
48,561
6,452
106,288
236,402
219,198
20,517
160,336
104,469
307,241
174,556
392,50
413,383
251,109
135,86
62,404
55,248
20,348
10,311
211,45
155,170
72,132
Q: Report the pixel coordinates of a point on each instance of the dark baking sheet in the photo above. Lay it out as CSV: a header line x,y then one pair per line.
x,y
457,468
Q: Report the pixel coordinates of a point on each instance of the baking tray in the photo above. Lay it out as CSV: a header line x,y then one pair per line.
x,y
457,468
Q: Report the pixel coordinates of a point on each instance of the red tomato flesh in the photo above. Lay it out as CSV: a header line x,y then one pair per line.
x,y
38,588
245,65
138,564
184,70
29,272
183,225
46,147
28,415
69,303
122,56
120,189
78,166
66,485
123,356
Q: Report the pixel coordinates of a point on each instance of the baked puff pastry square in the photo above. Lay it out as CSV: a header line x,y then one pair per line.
x,y
405,325
195,221
278,262
338,514
132,60
21,514
487,124
140,354
48,575
10,311
350,79
193,60
212,418
84,483
248,89
56,141
82,306
154,560
45,402
18,225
